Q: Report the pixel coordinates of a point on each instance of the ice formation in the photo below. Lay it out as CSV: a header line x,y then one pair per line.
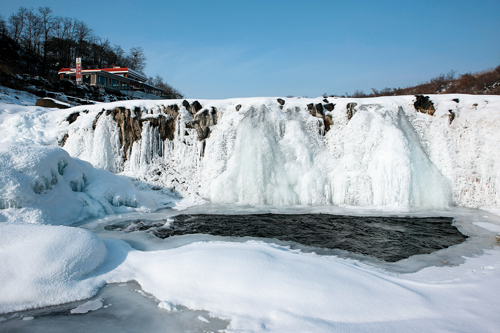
x,y
387,155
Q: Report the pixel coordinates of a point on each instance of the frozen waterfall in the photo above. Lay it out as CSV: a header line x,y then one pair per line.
x,y
261,153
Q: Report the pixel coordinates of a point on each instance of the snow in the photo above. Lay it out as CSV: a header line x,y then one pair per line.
x,y
16,97
257,286
44,265
43,184
167,306
387,158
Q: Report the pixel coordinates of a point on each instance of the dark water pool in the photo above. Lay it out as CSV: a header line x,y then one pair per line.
x,y
387,238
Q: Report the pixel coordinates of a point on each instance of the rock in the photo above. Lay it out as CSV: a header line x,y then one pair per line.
x,y
192,108
424,104
215,115
281,101
41,93
351,111
130,127
311,109
319,110
72,117
328,122
165,125
456,100
63,140
325,100
316,110
238,107
451,116
50,103
131,124
329,106
202,122
195,107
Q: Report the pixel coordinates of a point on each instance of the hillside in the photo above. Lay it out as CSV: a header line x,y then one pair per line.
x,y
482,83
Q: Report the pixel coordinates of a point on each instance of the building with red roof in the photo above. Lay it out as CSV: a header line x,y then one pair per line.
x,y
122,79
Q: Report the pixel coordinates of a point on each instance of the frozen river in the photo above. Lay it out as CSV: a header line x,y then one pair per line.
x,y
126,307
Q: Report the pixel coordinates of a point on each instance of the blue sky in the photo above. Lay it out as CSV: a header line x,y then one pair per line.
x,y
224,49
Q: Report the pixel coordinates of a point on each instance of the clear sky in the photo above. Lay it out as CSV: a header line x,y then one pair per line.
x,y
224,49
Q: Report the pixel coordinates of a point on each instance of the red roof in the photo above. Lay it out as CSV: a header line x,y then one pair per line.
x,y
121,69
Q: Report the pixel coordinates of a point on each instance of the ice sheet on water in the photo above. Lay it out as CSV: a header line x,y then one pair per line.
x,y
87,307
126,310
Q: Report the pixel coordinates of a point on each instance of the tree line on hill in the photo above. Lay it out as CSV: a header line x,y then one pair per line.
x,y
35,42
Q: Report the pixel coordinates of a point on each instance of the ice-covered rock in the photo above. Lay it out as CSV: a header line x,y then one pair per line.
x,y
43,184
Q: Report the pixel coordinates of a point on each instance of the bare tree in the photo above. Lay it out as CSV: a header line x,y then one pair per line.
x,y
167,89
137,59
358,94
46,25
16,22
3,26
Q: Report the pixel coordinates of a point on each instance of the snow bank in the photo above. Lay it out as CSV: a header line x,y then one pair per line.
x,y
40,184
259,287
46,265
263,287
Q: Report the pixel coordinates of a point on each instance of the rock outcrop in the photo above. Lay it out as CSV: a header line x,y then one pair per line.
x,y
424,104
202,122
50,103
351,111
131,123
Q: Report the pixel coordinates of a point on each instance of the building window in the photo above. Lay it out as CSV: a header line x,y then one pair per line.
x,y
102,80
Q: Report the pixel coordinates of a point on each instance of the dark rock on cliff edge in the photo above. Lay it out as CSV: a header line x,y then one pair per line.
x,y
424,104
351,111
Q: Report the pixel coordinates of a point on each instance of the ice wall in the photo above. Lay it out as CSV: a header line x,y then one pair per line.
x,y
261,152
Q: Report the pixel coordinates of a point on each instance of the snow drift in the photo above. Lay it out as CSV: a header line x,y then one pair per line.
x,y
46,265
45,185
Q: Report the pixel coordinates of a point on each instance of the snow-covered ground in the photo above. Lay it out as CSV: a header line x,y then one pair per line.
x,y
387,159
